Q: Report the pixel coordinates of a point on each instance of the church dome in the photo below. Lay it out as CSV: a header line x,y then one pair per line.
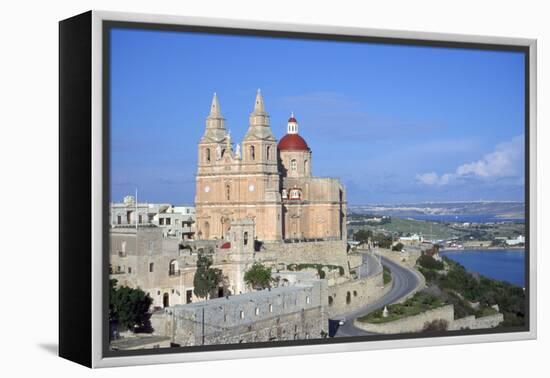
x,y
292,142
292,119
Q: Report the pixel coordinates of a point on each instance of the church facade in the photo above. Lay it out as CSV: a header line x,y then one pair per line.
x,y
267,182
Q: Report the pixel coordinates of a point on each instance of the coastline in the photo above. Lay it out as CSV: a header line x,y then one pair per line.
x,y
483,249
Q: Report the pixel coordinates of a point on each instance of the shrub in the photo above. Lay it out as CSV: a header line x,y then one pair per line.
x,y
415,305
435,325
387,276
429,262
258,276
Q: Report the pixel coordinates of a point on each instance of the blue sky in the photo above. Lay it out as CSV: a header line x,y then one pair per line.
x,y
397,124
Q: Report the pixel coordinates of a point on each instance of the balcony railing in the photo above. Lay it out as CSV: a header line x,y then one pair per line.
x,y
174,273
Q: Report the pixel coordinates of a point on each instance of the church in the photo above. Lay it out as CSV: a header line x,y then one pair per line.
x,y
266,182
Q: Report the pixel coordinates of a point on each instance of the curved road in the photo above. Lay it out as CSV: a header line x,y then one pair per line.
x,y
403,282
369,267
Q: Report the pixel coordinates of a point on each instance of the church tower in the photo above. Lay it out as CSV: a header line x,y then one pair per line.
x,y
259,161
259,144
214,138
237,184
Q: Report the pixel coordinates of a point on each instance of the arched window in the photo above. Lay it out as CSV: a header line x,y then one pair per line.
x,y
227,192
293,165
268,152
305,166
208,155
252,153
245,238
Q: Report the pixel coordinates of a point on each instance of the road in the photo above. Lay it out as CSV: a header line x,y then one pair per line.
x,y
403,282
369,267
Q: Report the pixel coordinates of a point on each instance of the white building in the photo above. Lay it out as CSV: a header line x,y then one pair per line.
x,y
519,240
411,238
175,221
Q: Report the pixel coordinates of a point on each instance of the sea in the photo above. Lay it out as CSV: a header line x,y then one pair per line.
x,y
500,264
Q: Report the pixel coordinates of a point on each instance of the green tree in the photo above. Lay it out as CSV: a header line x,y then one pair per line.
x,y
398,247
383,241
207,279
258,277
129,307
363,236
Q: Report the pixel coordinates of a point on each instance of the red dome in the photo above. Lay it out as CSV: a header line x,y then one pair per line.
x,y
292,142
292,119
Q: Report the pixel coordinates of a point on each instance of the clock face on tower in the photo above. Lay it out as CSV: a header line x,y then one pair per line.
x,y
251,187
206,189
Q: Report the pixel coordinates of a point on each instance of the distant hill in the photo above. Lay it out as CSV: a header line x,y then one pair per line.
x,y
502,210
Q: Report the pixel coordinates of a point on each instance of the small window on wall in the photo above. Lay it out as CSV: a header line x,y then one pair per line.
x,y
245,238
268,153
208,155
293,165
151,267
252,153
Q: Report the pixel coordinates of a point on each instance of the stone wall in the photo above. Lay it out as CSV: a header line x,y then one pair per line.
x,y
331,252
471,322
283,313
409,324
351,295
299,325
407,259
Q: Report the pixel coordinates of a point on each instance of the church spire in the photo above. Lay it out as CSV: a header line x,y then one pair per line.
x,y
259,121
215,110
259,107
215,123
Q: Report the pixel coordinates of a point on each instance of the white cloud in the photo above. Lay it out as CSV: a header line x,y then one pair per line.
x,y
430,178
505,161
